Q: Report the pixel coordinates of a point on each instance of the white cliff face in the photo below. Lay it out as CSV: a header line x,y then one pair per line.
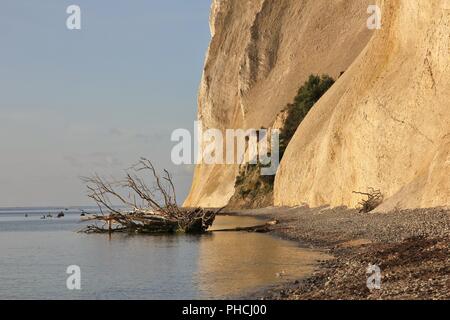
x,y
385,122
260,53
216,7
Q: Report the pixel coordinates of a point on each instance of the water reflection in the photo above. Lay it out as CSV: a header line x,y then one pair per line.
x,y
34,256
232,263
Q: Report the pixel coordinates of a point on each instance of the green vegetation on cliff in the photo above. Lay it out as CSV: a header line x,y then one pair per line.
x,y
252,190
308,94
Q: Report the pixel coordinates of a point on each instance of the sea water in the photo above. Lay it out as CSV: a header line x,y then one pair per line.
x,y
35,254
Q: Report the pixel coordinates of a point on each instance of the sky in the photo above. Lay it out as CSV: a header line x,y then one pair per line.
x,y
75,102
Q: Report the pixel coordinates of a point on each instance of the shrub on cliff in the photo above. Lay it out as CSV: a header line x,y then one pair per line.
x,y
252,190
308,94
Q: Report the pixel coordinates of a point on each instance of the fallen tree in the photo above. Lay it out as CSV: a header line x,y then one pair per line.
x,y
148,209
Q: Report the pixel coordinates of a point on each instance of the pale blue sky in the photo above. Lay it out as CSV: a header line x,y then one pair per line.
x,y
71,101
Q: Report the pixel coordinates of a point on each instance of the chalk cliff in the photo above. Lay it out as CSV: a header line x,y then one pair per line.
x,y
384,124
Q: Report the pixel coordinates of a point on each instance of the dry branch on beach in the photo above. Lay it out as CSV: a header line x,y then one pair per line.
x,y
152,209
374,199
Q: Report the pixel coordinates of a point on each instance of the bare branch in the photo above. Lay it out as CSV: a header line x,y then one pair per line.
x,y
159,211
374,199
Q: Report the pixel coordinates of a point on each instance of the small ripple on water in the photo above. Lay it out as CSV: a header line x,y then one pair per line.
x,y
35,254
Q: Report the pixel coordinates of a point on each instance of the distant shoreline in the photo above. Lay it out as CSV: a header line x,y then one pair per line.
x,y
45,208
411,247
18,210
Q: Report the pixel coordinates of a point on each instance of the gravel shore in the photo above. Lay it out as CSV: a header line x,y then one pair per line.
x,y
410,247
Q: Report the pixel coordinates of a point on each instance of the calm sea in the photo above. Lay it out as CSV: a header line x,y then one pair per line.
x,y
35,254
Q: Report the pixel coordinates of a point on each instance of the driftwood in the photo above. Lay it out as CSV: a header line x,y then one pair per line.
x,y
262,228
148,209
374,199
